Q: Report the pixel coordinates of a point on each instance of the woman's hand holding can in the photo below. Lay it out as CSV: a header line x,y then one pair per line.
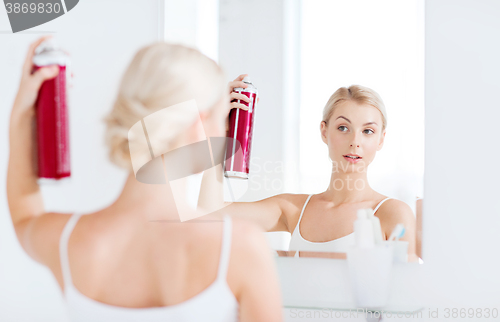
x,y
234,97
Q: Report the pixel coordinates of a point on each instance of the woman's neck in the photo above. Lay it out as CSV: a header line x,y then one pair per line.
x,y
349,187
150,201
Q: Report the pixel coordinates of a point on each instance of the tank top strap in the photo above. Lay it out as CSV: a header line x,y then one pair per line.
x,y
225,248
302,212
380,204
63,248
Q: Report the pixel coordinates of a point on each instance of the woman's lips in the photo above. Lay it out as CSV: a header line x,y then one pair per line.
x,y
352,160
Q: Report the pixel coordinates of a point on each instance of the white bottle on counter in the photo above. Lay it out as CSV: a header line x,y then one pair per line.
x,y
369,264
377,229
363,230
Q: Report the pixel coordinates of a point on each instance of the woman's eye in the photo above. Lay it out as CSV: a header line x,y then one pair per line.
x,y
370,131
342,126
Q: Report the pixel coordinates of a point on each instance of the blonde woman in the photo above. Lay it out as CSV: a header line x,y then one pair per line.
x,y
116,264
353,128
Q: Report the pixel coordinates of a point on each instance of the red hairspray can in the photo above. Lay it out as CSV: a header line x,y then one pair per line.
x,y
237,160
51,110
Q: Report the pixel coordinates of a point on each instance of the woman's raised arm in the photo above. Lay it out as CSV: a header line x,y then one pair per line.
x,y
37,231
268,213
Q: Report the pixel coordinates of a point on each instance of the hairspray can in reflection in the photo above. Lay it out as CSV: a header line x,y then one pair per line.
x,y
237,159
51,110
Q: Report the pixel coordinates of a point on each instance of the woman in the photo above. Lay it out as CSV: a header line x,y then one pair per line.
x,y
353,128
115,264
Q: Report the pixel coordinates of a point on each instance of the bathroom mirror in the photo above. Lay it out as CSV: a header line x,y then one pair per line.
x,y
298,53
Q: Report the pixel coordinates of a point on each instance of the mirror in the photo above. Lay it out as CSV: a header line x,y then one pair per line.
x,y
298,53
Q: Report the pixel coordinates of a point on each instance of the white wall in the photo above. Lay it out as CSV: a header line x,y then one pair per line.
x,y
102,36
461,220
193,23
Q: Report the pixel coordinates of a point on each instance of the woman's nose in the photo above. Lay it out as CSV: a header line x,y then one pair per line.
x,y
355,140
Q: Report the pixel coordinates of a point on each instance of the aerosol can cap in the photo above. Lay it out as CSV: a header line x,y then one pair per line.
x,y
49,53
247,80
47,45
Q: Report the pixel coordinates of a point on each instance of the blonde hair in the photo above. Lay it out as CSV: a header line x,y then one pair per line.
x,y
161,75
356,93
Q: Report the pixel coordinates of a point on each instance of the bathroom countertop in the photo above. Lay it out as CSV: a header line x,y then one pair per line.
x,y
322,283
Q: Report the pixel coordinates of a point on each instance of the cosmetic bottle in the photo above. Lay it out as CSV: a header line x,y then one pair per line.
x,y
377,229
241,125
52,118
370,265
363,230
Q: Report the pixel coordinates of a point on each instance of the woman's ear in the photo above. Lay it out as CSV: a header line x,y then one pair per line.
x,y
381,143
323,129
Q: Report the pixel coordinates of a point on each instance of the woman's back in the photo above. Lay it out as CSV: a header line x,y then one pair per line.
x,y
141,282
120,266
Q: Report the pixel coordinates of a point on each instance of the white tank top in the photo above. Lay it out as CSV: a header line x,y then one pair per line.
x,y
215,303
339,245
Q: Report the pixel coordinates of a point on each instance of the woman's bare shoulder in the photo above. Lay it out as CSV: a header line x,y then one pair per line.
x,y
243,233
99,222
393,212
248,242
291,205
394,206
109,230
247,239
291,201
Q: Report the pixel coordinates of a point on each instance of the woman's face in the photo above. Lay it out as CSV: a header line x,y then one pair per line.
x,y
353,129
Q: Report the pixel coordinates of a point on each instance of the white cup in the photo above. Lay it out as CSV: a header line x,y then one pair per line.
x,y
370,274
400,250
